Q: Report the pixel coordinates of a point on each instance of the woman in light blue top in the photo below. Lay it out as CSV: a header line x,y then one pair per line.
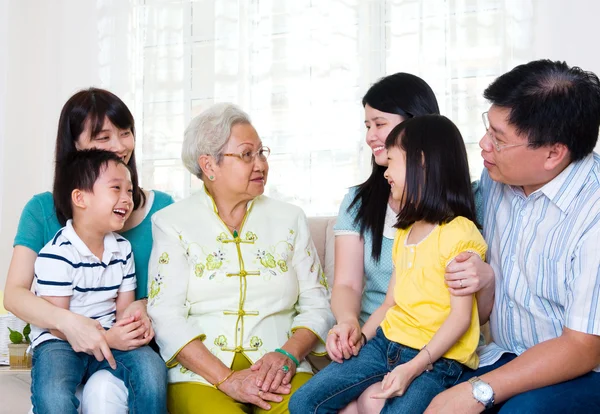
x,y
92,118
364,229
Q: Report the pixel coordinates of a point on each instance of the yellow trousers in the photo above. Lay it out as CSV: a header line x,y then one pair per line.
x,y
195,398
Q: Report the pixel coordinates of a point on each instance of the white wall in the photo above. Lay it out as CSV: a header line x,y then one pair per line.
x,y
568,30
49,49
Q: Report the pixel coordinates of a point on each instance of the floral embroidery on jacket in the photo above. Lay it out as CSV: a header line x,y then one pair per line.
x,y
282,265
164,258
220,341
323,279
199,270
256,342
155,286
157,281
215,260
266,259
186,371
275,257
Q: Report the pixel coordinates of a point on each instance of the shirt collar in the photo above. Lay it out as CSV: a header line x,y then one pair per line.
x,y
563,188
111,246
210,202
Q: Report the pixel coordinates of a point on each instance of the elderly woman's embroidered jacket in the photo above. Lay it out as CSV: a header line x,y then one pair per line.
x,y
243,292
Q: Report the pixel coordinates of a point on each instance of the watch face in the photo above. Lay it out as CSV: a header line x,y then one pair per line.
x,y
483,392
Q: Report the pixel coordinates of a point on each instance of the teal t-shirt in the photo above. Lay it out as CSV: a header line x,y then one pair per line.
x,y
39,224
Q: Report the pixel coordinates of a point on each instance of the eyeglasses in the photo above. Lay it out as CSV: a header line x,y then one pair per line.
x,y
488,131
248,157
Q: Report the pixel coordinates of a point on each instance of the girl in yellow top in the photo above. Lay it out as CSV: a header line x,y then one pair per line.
x,y
426,337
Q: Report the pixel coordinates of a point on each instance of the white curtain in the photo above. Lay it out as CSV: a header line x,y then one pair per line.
x,y
300,68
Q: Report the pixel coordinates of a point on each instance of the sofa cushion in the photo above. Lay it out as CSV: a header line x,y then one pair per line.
x,y
321,231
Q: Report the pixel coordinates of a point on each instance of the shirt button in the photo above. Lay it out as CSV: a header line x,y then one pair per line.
x,y
409,264
412,249
511,304
523,212
513,258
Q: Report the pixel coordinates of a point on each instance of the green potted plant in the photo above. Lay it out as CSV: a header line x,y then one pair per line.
x,y
18,357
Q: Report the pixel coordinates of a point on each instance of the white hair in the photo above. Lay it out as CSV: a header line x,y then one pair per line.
x,y
208,133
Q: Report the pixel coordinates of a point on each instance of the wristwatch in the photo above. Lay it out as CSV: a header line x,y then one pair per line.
x,y
482,392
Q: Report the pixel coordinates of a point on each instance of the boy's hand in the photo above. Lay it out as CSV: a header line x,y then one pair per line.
x,y
137,309
396,383
126,334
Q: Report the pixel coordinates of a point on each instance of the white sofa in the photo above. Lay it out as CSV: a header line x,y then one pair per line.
x,y
14,388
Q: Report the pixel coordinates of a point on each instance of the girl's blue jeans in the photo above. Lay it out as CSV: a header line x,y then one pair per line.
x,y
339,384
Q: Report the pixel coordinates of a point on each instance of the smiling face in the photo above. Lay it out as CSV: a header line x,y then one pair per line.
x,y
379,124
110,203
236,177
396,172
110,138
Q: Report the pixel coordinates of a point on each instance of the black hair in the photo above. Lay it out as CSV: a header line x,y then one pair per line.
x,y
78,171
405,95
437,186
94,105
551,103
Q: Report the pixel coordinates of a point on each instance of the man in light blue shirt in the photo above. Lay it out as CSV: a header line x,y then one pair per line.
x,y
541,192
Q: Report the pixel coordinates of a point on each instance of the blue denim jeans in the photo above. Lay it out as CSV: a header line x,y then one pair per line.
x,y
339,384
579,395
58,370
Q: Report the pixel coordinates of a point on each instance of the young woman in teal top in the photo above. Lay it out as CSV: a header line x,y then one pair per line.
x,y
92,118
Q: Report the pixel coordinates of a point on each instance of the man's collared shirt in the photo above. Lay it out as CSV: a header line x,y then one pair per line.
x,y
544,251
67,267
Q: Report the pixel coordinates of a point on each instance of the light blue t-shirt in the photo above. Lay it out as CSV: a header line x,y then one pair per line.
x,y
39,224
377,274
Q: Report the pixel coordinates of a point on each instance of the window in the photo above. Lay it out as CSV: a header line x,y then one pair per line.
x,y
300,68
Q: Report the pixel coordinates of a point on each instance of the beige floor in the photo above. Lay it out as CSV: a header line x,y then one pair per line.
x,y
14,392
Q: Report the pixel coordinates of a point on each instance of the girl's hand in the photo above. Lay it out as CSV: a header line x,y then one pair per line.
x,y
87,335
468,274
270,375
138,310
396,383
241,386
126,334
344,341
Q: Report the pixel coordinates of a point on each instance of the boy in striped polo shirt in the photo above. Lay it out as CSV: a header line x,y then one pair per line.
x,y
89,270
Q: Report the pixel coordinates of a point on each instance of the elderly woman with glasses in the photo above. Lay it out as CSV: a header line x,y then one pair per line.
x,y
237,295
